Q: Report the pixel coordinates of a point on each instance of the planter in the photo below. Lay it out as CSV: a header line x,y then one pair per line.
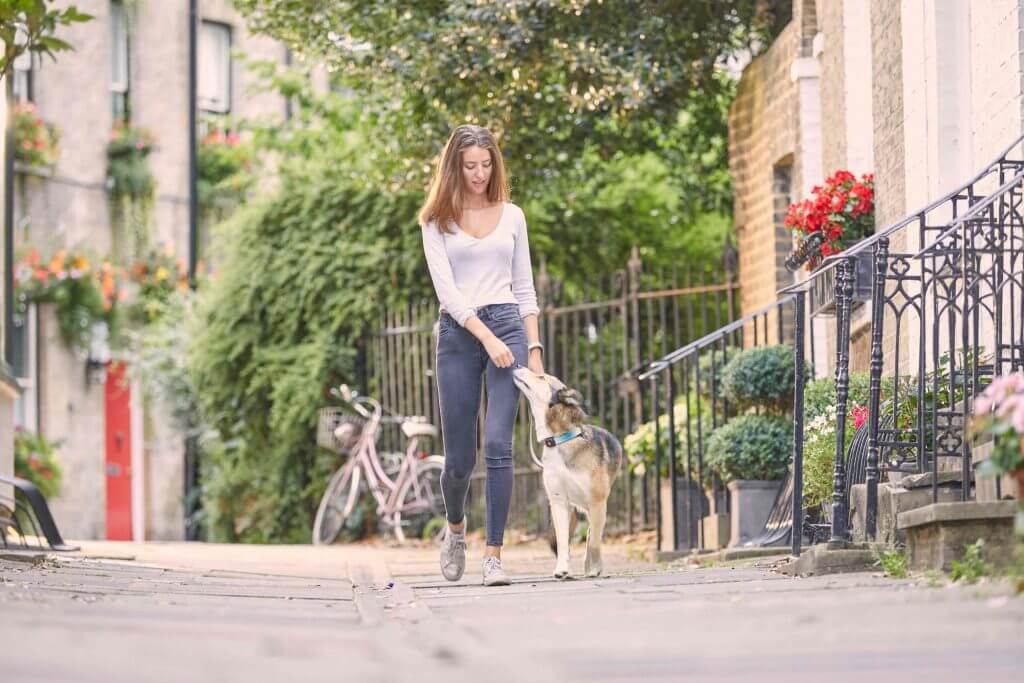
x,y
824,285
689,499
750,504
717,531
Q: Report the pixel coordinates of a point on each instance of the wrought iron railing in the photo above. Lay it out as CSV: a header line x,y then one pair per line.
x,y
928,307
945,290
692,372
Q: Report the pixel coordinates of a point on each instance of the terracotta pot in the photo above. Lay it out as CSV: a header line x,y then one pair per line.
x,y
1018,476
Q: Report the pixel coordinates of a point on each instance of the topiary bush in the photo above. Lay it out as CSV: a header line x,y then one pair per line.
x,y
761,377
712,364
751,447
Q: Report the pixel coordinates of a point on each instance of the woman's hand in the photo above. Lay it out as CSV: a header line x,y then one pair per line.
x,y
499,352
536,361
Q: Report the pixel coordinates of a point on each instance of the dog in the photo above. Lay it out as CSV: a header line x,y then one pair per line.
x,y
581,462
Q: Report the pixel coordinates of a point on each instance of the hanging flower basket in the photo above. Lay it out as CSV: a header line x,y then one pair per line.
x,y
839,214
35,141
128,173
82,295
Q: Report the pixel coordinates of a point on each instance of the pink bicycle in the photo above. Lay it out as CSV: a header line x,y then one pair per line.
x,y
407,487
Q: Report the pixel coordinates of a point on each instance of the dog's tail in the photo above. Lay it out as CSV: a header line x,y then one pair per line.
x,y
573,521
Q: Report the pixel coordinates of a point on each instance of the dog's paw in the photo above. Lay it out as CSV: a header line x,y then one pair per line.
x,y
562,574
594,573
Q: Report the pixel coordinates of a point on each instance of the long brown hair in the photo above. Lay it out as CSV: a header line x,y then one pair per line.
x,y
444,202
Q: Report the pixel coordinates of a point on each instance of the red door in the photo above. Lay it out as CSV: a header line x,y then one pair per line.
x,y
119,455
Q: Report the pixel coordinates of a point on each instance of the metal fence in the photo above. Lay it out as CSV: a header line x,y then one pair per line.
x,y
596,335
944,291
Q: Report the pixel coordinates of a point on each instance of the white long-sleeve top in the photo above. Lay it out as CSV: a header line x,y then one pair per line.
x,y
469,273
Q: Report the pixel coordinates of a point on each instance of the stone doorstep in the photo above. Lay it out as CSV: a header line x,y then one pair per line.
x,y
938,534
893,499
923,480
826,558
724,555
956,512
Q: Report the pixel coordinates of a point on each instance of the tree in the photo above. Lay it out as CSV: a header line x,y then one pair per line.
x,y
550,77
29,26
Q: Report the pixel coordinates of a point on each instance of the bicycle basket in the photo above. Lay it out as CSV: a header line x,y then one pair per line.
x,y
338,430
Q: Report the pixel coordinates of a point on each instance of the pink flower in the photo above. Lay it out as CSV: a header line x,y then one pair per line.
x,y
860,416
1017,419
983,404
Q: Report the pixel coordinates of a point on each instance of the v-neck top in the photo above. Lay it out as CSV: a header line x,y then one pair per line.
x,y
470,272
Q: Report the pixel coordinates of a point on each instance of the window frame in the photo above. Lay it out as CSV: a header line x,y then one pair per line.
x,y
207,105
120,91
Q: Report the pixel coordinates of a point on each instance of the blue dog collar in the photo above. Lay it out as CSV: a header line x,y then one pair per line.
x,y
553,441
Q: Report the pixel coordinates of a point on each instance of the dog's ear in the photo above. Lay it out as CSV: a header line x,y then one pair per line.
x,y
569,397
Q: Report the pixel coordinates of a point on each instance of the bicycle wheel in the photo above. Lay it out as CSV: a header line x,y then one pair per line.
x,y
420,500
334,506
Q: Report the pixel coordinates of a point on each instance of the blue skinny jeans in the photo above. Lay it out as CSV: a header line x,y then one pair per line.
x,y
462,363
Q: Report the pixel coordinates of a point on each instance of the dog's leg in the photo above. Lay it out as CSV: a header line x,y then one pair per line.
x,y
573,523
560,521
597,513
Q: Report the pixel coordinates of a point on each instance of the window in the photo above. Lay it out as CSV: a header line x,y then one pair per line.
x,y
214,68
119,66
22,83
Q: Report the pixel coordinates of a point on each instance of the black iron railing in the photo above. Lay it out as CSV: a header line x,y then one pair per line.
x,y
940,297
692,372
942,282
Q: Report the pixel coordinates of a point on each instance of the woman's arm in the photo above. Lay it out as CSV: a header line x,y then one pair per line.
x,y
454,302
526,295
441,275
536,355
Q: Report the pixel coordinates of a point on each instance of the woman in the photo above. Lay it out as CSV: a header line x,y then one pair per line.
x,y
479,260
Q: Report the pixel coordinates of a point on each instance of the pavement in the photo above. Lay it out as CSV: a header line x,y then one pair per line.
x,y
189,611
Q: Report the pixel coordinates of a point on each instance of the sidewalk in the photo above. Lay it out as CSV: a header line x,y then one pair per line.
x,y
176,612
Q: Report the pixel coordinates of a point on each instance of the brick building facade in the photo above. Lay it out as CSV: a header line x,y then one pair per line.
x,y
132,57
923,94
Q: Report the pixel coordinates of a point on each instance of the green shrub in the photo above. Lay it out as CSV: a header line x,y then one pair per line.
x,y
761,377
35,459
820,394
302,280
751,447
640,445
711,367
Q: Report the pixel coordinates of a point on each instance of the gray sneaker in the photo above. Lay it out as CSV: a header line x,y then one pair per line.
x,y
453,554
494,575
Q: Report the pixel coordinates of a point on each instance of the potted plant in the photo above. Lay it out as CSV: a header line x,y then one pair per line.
x,y
223,165
81,295
751,454
35,140
132,186
839,214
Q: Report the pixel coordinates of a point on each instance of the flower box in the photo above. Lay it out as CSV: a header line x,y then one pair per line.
x,y
824,285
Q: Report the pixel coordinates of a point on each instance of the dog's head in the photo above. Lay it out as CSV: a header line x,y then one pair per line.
x,y
555,407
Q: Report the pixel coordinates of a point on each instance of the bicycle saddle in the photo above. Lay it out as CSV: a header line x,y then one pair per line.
x,y
412,429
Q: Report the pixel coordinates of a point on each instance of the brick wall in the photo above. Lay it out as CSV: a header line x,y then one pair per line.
x,y
886,53
833,83
762,136
70,209
997,48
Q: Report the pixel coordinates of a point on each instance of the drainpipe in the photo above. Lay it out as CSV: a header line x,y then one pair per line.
x,y
191,443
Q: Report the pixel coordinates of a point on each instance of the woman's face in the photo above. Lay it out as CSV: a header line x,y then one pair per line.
x,y
476,170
